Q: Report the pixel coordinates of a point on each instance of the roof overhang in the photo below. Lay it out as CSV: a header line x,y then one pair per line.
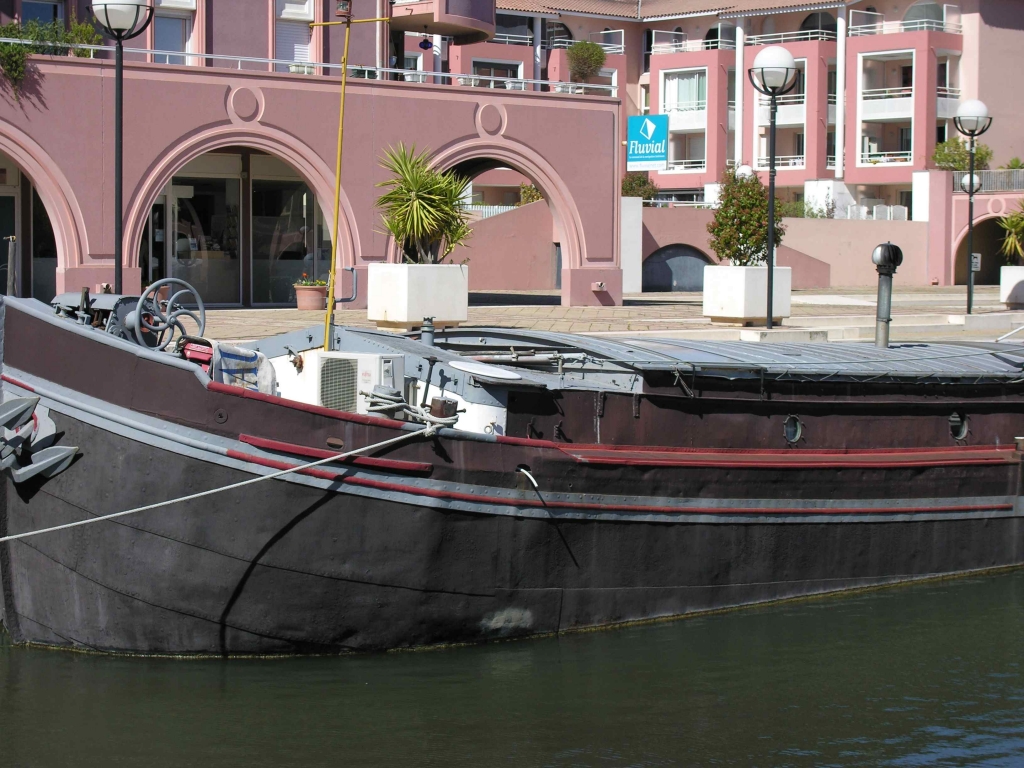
x,y
805,8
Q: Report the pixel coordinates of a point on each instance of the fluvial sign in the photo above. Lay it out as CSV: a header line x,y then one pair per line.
x,y
647,143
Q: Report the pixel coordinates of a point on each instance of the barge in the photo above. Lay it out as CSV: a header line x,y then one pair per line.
x,y
399,491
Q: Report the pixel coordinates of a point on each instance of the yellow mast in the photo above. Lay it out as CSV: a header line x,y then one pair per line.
x,y
329,315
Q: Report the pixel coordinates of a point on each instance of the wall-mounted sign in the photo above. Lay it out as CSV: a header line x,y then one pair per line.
x,y
647,143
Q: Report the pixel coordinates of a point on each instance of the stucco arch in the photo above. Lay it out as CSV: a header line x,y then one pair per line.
x,y
563,208
314,171
54,191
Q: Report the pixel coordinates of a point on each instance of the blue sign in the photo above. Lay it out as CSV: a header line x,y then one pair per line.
x,y
647,143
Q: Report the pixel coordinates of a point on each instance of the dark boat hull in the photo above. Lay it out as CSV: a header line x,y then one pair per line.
x,y
282,567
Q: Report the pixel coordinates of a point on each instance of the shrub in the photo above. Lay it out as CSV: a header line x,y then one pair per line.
x,y
50,39
739,229
954,155
1015,164
638,184
1012,224
529,194
585,60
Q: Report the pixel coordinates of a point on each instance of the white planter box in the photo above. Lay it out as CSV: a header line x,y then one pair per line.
x,y
740,294
1011,286
401,295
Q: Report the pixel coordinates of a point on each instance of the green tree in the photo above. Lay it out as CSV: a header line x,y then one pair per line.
x,y
1012,224
954,155
529,194
638,184
739,229
423,209
585,60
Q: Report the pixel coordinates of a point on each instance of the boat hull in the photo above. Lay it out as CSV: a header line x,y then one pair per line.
x,y
289,567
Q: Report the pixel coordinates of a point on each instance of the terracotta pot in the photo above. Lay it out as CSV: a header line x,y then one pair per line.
x,y
311,296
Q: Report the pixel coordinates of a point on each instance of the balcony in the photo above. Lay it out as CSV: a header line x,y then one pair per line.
x,y
778,38
698,164
507,39
664,41
686,116
792,109
1002,180
782,162
612,41
871,23
468,21
947,102
886,158
887,103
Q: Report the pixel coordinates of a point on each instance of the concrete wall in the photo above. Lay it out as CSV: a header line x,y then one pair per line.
x,y
512,251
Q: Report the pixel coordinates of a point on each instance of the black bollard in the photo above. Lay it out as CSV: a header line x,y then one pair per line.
x,y
886,257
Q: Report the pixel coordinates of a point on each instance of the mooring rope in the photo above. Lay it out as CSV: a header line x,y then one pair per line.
x,y
429,431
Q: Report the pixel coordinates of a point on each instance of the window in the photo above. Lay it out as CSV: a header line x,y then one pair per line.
x,y
170,33
940,133
798,144
685,91
830,144
412,61
645,99
514,29
42,12
495,69
906,139
943,74
907,76
291,42
648,44
833,83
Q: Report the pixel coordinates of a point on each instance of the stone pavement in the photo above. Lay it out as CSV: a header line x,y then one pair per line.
x,y
839,314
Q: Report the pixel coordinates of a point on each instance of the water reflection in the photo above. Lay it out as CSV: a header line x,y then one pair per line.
x,y
910,677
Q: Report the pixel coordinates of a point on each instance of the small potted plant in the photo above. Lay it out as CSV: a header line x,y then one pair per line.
x,y
425,211
310,293
738,292
1011,277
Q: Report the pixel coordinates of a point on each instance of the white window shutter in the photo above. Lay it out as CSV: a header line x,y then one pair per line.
x,y
291,40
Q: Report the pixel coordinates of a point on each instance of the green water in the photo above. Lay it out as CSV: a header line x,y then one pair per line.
x,y
918,676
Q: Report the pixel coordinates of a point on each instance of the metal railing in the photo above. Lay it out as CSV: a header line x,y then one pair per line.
x,y
678,43
257,64
478,212
830,161
508,39
873,94
685,106
656,203
781,161
687,165
872,23
831,98
786,98
612,41
776,38
1001,180
945,92
877,158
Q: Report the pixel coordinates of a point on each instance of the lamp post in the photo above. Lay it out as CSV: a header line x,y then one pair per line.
x,y
121,20
773,74
972,120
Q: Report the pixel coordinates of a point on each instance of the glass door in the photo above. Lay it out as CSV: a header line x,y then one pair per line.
x,y
153,248
202,237
8,219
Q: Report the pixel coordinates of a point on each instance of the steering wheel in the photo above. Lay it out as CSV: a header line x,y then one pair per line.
x,y
158,319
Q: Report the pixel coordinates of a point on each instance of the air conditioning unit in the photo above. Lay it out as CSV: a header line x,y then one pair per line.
x,y
335,379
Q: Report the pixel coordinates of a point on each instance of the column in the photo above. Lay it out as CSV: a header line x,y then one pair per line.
x,y
538,37
741,76
841,91
436,56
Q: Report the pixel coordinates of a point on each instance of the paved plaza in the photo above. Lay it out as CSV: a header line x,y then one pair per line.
x,y
920,314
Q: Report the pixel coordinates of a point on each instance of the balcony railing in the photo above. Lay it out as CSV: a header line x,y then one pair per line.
x,y
830,161
256,64
786,98
944,92
685,106
612,41
1002,180
776,38
873,94
781,161
881,158
871,23
687,165
508,39
664,41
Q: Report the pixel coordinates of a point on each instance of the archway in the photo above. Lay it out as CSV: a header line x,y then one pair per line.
x,y
924,11
819,21
248,211
988,239
676,267
47,219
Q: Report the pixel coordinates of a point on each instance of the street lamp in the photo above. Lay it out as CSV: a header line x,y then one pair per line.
x,y
972,120
744,172
773,74
121,20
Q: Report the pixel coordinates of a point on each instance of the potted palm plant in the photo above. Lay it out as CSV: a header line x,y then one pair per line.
x,y
424,210
1011,276
738,292
310,293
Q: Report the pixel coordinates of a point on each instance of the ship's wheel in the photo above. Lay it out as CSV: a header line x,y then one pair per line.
x,y
157,322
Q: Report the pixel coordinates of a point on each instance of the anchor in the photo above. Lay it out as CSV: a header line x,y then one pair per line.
x,y
27,432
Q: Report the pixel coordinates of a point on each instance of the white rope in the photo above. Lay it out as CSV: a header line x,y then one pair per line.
x,y
382,402
427,432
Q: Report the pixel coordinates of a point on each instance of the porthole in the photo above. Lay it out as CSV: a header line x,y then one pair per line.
x,y
792,429
959,426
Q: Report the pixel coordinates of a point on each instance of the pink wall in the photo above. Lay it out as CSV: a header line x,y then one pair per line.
x,y
999,40
512,251
176,113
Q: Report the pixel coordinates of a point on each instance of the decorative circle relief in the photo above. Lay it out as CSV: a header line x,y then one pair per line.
x,y
245,104
491,119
